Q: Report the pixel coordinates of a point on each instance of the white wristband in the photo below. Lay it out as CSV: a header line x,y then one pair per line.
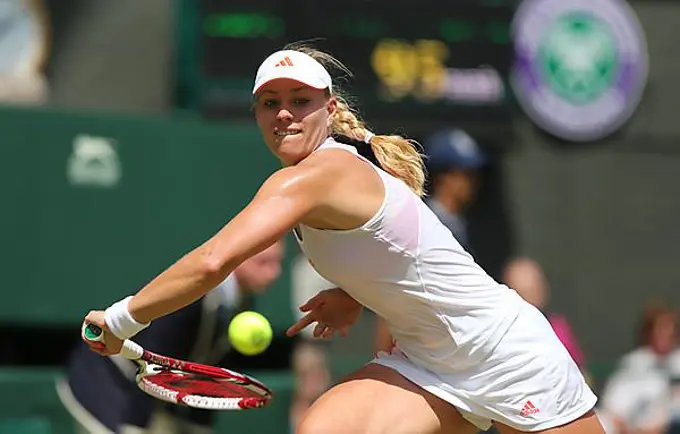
x,y
120,322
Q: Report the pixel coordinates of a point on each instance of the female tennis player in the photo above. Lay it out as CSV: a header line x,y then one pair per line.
x,y
469,351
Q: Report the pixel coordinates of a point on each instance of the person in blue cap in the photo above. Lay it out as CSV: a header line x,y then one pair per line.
x,y
453,162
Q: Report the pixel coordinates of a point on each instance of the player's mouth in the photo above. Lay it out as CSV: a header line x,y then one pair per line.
x,y
285,133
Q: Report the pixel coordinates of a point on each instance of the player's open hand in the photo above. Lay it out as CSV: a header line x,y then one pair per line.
x,y
333,311
109,344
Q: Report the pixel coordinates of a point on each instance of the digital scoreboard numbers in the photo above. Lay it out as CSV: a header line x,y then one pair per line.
x,y
417,65
419,71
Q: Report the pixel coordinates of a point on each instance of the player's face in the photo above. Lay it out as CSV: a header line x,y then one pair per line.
x,y
293,118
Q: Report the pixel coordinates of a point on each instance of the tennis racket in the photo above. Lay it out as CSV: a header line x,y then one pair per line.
x,y
187,383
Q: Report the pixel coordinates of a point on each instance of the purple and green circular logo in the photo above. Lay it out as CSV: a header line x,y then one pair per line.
x,y
580,66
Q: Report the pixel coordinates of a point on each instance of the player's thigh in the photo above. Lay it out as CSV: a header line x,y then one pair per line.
x,y
378,400
586,424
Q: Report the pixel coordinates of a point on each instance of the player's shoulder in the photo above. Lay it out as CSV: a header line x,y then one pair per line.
x,y
338,165
321,171
335,159
329,166
304,177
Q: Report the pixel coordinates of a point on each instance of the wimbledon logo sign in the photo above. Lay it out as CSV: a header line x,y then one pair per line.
x,y
580,66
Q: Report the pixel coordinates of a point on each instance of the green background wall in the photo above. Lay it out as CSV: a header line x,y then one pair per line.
x,y
72,246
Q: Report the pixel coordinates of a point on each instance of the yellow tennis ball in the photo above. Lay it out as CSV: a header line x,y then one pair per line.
x,y
250,333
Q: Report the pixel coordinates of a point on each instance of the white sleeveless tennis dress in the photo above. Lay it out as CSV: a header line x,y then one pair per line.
x,y
460,335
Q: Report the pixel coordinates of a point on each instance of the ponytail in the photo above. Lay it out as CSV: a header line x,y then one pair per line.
x,y
396,155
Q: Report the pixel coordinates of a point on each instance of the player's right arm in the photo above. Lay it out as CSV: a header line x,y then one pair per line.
x,y
288,197
285,199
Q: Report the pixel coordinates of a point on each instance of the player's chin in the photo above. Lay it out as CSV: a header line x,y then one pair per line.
x,y
291,151
291,158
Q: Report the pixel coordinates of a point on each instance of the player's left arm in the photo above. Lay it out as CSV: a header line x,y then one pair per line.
x,y
284,200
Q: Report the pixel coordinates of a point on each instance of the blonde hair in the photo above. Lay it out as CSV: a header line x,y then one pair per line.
x,y
397,155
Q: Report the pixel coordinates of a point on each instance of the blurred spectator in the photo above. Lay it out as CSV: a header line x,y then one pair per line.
x,y
23,50
453,163
310,360
312,378
642,396
197,333
526,276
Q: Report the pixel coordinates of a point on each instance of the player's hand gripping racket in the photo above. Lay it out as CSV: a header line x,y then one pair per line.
x,y
186,383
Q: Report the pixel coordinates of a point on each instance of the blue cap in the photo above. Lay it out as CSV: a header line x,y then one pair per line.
x,y
453,149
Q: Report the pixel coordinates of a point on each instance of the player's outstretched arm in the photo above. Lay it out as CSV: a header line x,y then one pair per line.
x,y
285,199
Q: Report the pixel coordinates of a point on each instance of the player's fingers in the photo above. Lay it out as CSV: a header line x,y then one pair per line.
x,y
313,302
101,350
95,345
98,346
301,324
105,352
328,333
319,329
95,317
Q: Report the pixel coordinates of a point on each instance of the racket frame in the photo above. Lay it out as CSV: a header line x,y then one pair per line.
x,y
150,364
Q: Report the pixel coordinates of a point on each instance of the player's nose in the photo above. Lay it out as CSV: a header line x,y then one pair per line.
x,y
284,115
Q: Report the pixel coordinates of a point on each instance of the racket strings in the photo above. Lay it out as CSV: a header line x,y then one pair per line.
x,y
203,385
200,386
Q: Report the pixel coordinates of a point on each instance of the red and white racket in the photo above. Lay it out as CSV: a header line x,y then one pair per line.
x,y
186,383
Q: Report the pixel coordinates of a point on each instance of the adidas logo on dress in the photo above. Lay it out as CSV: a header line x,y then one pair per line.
x,y
528,409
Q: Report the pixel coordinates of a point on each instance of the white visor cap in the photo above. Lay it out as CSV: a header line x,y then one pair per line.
x,y
293,65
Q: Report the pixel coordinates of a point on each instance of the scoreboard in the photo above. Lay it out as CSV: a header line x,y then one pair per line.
x,y
417,65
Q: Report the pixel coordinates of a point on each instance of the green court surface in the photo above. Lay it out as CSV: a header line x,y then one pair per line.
x,y
29,403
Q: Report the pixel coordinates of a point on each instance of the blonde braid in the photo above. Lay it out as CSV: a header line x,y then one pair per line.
x,y
345,122
397,155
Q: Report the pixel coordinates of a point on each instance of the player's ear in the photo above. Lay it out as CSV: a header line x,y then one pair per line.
x,y
332,106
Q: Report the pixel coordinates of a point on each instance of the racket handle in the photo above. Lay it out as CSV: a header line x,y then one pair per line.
x,y
130,350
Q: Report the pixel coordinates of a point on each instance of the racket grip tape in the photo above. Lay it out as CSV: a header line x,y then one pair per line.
x,y
131,350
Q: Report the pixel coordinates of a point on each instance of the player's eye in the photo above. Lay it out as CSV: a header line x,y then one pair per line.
x,y
269,103
300,101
